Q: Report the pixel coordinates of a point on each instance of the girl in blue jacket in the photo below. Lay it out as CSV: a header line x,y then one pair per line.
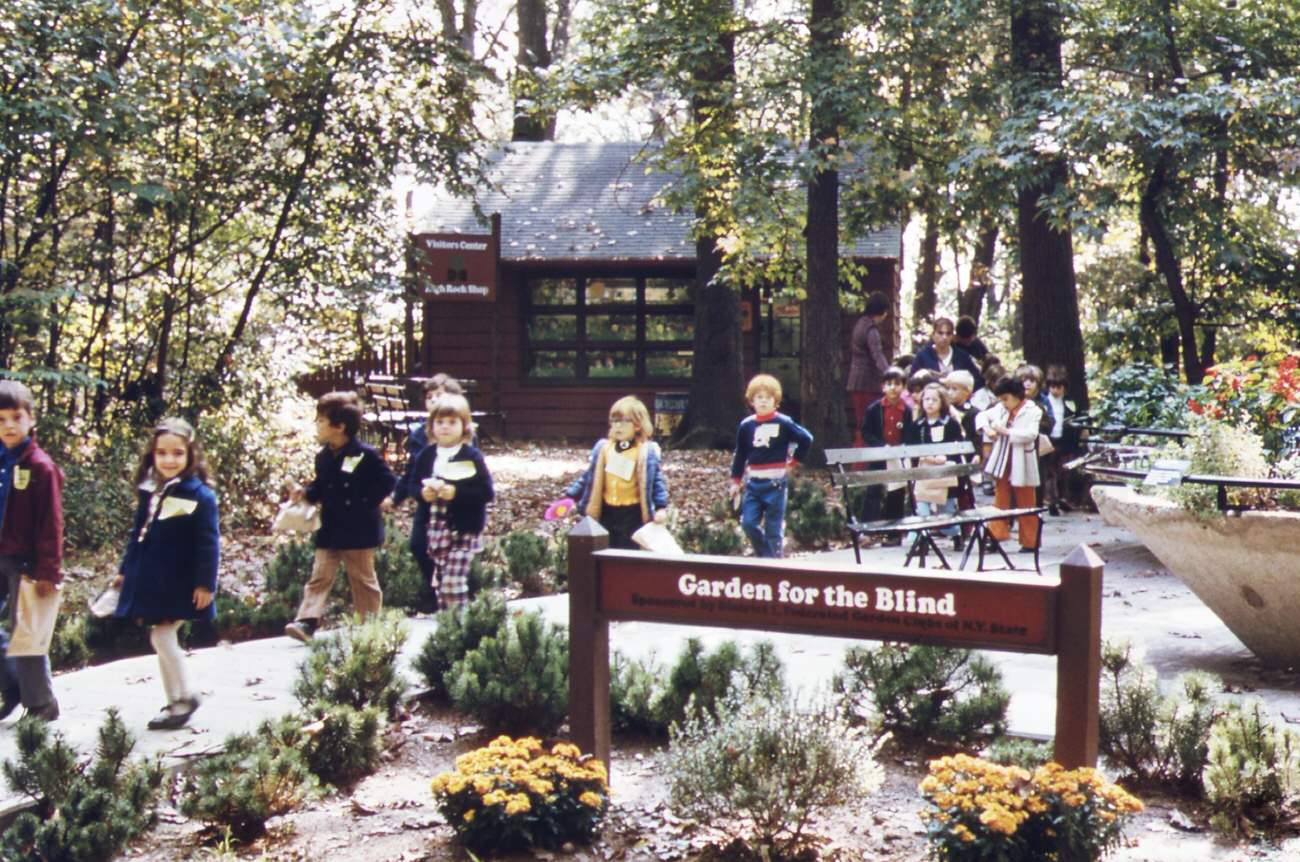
x,y
623,486
169,572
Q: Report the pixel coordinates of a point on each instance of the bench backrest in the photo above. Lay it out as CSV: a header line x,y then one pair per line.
x,y
843,461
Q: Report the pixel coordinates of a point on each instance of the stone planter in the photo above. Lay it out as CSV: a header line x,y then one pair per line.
x,y
1245,568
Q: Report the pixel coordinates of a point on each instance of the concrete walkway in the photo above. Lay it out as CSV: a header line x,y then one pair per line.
x,y
242,684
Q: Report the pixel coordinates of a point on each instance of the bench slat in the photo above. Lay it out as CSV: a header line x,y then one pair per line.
x,y
862,478
889,453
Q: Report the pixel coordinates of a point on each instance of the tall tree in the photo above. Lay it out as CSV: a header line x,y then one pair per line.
x,y
539,46
1049,299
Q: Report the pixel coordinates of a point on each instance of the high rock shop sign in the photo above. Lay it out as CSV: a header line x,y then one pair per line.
x,y
455,266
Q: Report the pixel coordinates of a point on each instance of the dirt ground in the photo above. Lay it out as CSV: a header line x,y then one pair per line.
x,y
390,816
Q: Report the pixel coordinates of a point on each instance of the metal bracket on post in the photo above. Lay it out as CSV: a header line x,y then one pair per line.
x,y
588,643
1078,659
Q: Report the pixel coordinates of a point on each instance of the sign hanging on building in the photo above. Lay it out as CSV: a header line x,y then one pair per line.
x,y
456,266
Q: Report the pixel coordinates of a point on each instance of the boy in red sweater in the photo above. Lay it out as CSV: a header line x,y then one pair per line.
x,y
31,544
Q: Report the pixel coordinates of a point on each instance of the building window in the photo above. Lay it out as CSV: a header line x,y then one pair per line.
x,y
608,328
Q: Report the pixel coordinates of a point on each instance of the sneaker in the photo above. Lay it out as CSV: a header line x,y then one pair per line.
x,y
958,544
49,712
301,630
9,702
174,715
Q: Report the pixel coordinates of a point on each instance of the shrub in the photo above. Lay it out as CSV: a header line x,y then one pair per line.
x,y
634,686
97,476
1251,777
516,680
526,556
458,632
339,744
68,648
1015,751
982,811
1154,738
1140,395
810,518
515,795
924,693
396,569
357,666
254,779
770,764
87,812
1261,394
699,682
717,534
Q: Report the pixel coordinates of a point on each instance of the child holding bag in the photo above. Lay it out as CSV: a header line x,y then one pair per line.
x,y
169,572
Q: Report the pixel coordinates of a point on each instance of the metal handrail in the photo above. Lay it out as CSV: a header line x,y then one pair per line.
x,y
1223,483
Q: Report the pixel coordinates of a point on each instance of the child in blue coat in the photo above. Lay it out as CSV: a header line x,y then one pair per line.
x,y
169,572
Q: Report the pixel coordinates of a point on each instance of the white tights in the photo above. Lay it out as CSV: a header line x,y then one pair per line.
x,y
171,661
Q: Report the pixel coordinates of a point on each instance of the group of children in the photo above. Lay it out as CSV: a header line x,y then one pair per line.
x,y
1020,431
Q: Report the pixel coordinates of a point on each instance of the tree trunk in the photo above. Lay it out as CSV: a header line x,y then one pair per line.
x,y
1170,269
926,299
1049,297
716,402
971,301
530,123
824,402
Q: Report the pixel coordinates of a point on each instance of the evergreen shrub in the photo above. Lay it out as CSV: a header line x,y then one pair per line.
x,y
811,519
699,682
395,568
1155,738
1252,773
771,764
254,779
924,693
86,812
340,745
68,648
356,665
634,686
718,534
458,632
527,555
516,681
516,795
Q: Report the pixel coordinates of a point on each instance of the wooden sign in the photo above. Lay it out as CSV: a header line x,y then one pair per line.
x,y
456,266
1001,611
1015,612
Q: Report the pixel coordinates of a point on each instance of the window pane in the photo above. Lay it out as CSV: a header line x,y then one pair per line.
x,y
611,327
554,291
553,364
668,363
553,327
607,291
605,364
669,327
666,290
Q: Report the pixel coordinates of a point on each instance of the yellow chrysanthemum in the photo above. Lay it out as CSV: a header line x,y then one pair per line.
x,y
469,816
591,800
518,804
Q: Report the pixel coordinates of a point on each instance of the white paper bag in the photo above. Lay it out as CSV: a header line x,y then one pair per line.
x,y
656,538
106,603
299,517
34,619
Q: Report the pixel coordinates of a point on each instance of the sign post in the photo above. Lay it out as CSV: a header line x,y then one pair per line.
x,y
1010,611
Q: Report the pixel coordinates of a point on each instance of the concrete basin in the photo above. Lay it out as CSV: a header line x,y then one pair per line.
x,y
1245,567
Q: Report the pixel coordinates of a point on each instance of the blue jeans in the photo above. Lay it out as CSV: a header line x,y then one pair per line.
x,y
764,503
926,509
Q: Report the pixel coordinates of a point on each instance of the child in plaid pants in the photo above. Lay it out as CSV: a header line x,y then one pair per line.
x,y
456,485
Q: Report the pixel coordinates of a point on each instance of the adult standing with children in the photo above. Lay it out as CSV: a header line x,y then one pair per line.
x,y
169,572
351,483
941,356
31,548
868,357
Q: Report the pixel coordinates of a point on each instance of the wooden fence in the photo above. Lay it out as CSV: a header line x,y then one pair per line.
x,y
390,361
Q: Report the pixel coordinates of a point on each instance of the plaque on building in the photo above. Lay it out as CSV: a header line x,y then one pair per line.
x,y
456,266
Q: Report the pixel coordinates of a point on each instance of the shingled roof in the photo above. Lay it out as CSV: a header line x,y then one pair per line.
x,y
591,201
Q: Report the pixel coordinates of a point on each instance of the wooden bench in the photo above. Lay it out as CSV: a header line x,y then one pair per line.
x,y
392,411
472,389
846,474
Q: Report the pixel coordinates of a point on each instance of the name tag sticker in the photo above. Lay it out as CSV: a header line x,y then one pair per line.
x,y
455,471
350,462
22,477
174,507
620,466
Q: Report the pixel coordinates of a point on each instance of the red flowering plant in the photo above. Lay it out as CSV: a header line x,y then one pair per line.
x,y
1261,393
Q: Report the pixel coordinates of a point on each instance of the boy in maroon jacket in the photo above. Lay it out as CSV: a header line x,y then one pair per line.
x,y
31,544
